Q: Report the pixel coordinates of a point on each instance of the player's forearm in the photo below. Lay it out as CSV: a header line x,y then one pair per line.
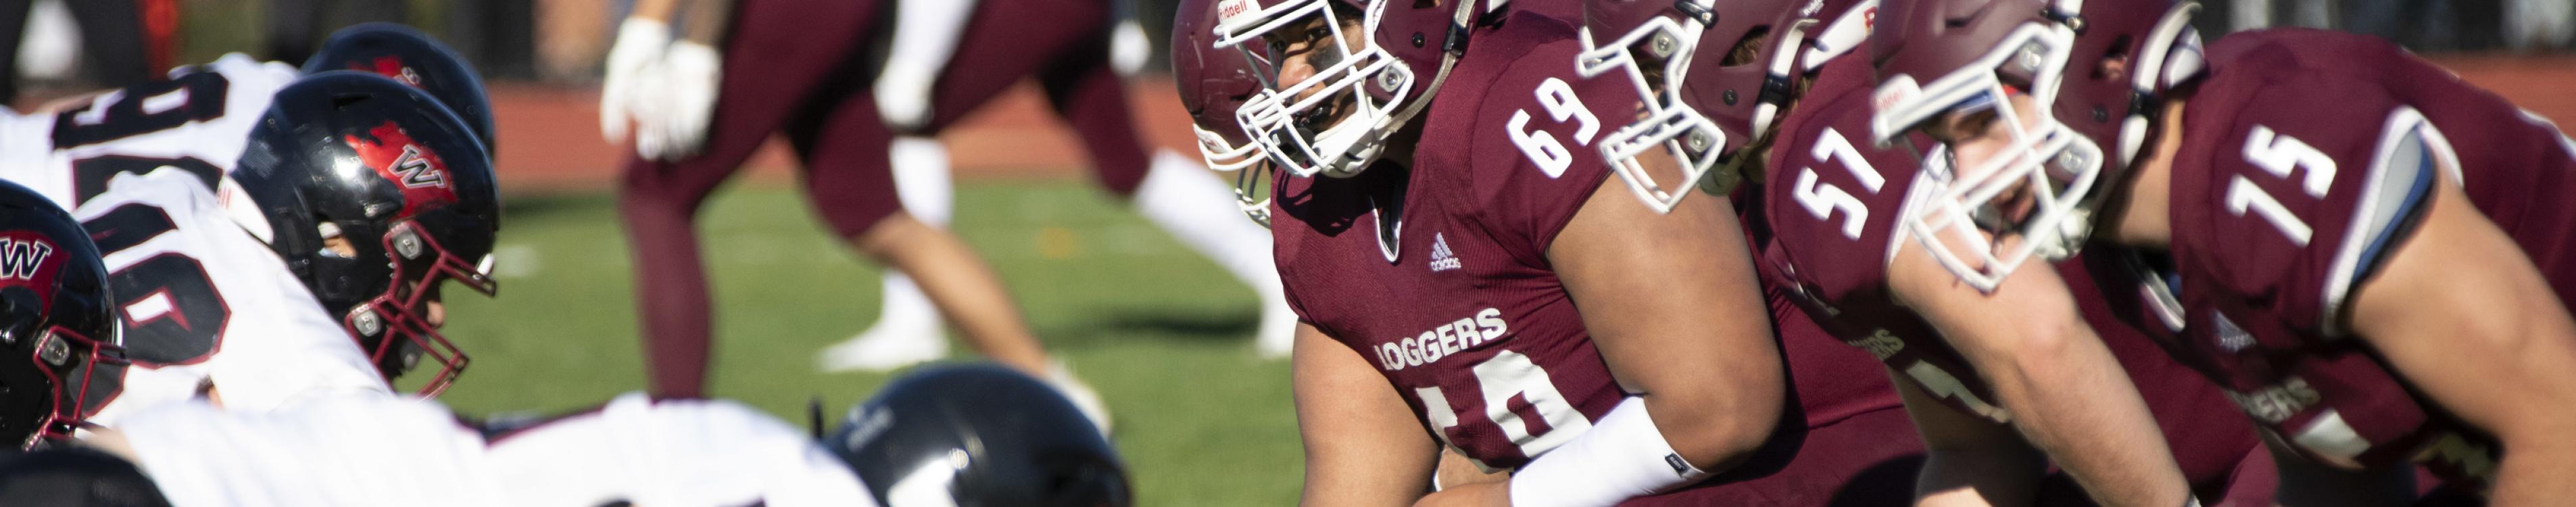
x,y
2072,400
2535,473
1968,460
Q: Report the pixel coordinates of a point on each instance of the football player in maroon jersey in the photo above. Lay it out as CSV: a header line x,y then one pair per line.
x,y
2301,188
1767,83
1596,349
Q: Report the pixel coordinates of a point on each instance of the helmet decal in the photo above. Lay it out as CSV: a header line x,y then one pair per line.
x,y
392,66
396,158
24,262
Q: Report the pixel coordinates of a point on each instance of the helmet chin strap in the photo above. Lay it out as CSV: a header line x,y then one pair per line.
x,y
2168,57
1369,148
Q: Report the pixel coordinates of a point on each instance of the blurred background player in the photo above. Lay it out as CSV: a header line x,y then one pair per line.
x,y
293,24
1078,65
60,358
113,45
694,124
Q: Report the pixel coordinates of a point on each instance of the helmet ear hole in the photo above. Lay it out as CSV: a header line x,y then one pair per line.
x,y
334,243
2115,61
1747,50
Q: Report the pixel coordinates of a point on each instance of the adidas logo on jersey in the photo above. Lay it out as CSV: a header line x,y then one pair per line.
x,y
1441,258
21,258
2230,337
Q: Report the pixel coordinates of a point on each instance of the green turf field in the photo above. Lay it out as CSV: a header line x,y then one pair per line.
x,y
1162,333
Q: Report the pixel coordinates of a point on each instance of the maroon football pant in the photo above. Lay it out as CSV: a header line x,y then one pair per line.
x,y
1064,44
800,68
779,62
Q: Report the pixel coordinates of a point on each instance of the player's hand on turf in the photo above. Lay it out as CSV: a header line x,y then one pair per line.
x,y
1482,494
640,42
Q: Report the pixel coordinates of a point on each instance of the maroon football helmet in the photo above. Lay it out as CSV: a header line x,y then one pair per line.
x,y
2093,78
1214,84
1374,65
1703,110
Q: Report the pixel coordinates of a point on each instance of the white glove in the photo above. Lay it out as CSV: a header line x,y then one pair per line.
x,y
1128,48
639,43
683,100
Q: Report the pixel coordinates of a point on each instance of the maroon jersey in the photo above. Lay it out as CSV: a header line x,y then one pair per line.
x,y
1831,208
1439,275
2306,157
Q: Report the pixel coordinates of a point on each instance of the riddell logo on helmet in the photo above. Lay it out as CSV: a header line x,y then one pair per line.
x,y
1229,9
392,67
1897,90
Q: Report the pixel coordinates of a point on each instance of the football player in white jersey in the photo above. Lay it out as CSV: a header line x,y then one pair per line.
x,y
955,435
355,198
206,303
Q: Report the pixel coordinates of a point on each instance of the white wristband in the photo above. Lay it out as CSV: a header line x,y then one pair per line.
x,y
1623,456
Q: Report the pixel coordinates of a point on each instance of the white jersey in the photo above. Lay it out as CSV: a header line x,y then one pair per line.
x,y
396,451
206,302
198,120
674,453
355,450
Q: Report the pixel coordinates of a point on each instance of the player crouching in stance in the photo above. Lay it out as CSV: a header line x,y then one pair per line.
x,y
952,435
2368,254
1772,81
357,196
1597,349
375,196
60,357
213,306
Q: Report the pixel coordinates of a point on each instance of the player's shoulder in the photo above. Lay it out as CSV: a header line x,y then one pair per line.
x,y
2329,89
2300,166
1512,136
2292,50
1834,199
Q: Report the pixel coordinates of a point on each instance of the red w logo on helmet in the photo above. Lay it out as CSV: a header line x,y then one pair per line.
x,y
26,261
398,159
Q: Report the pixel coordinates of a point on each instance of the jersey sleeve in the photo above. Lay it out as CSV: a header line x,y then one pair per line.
x,y
2305,192
1531,159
